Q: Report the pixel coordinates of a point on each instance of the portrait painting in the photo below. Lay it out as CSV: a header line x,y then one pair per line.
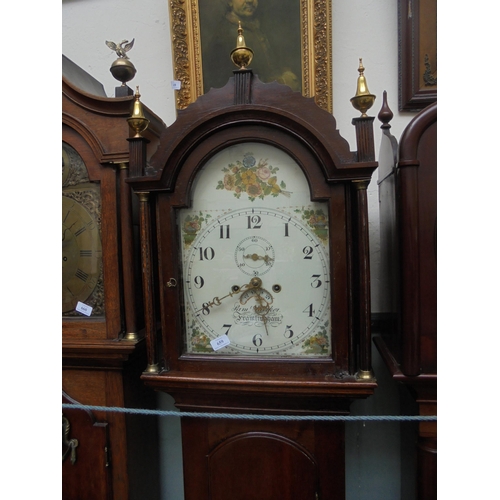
x,y
290,40
271,29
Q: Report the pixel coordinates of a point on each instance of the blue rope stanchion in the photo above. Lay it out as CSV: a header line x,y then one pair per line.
x,y
240,416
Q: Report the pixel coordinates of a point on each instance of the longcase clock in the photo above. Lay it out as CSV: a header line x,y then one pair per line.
x,y
408,194
103,347
255,209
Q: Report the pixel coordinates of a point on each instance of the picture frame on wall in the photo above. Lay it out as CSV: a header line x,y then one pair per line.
x,y
417,54
291,41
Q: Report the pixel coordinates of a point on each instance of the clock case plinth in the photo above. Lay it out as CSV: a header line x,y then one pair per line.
x,y
247,110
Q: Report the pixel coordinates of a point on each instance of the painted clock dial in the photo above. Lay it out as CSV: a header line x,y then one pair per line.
x,y
255,258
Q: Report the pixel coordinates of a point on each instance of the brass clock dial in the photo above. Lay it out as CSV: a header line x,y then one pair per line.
x,y
81,254
81,240
255,258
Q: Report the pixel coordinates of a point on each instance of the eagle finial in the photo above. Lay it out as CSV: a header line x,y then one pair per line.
x,y
122,48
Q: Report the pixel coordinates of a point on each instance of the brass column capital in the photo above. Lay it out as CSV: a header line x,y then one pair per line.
x,y
143,196
361,184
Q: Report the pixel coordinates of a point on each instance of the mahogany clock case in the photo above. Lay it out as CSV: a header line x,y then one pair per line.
x,y
115,453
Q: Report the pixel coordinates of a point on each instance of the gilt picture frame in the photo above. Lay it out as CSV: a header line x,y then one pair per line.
x,y
417,54
297,48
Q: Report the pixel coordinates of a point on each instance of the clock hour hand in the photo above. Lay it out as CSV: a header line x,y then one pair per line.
x,y
217,301
254,285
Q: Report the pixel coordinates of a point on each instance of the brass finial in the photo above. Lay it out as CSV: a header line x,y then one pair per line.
x,y
137,121
122,69
363,100
241,55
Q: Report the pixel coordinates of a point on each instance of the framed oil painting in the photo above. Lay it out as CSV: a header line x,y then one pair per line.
x,y
417,54
291,41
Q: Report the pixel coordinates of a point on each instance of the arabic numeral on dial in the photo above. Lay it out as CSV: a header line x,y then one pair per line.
x,y
309,310
227,327
308,251
205,308
316,282
198,282
207,253
254,222
224,232
257,340
288,332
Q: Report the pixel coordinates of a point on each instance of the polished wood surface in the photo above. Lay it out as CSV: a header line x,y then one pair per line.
x,y
409,239
89,475
263,460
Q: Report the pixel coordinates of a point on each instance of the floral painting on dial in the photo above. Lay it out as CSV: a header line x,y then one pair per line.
x,y
256,179
317,221
191,225
318,342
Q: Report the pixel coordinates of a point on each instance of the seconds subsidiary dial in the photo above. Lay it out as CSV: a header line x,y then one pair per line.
x,y
261,277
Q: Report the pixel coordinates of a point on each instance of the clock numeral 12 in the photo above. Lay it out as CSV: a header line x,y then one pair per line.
x,y
254,222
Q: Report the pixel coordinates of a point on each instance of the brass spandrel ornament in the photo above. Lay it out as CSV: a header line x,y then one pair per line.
x,y
363,100
242,55
122,69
